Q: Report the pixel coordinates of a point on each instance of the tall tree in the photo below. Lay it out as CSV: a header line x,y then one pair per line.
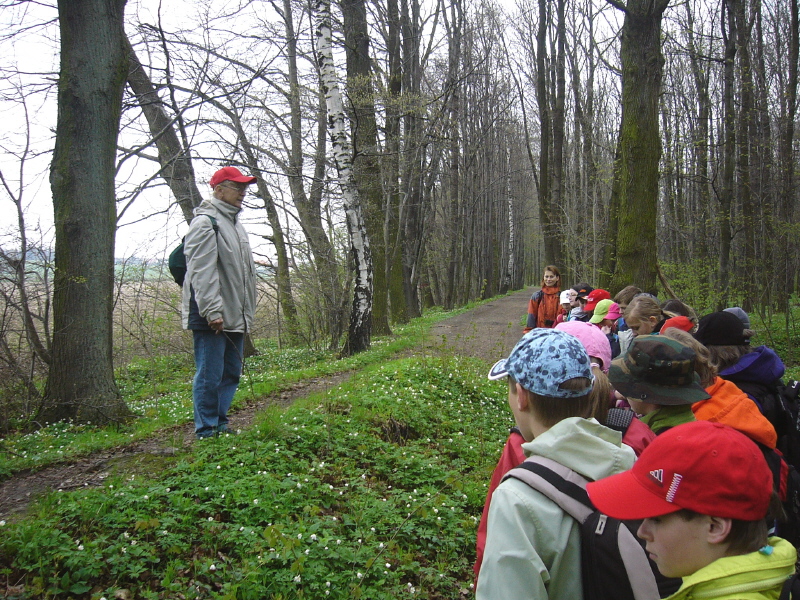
x,y
92,75
359,331
366,154
634,196
728,151
786,277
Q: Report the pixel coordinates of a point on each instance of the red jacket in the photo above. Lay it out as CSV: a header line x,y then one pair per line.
x,y
543,312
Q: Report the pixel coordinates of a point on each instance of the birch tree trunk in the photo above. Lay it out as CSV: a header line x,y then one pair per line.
x,y
308,204
359,331
367,156
80,384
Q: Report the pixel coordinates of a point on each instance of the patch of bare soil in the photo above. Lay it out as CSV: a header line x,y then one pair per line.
x,y
488,332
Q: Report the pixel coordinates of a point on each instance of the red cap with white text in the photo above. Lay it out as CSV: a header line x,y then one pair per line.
x,y
705,467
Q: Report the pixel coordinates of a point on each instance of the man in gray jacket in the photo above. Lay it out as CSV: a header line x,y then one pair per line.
x,y
219,298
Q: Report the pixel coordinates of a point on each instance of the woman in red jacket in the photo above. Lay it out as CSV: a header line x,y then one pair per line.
x,y
544,306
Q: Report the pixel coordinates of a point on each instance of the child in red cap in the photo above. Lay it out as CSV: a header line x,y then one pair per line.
x,y
704,491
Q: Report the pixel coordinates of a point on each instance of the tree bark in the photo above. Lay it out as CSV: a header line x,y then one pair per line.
x,y
175,160
359,331
367,156
786,277
634,192
93,68
728,152
308,204
546,210
745,143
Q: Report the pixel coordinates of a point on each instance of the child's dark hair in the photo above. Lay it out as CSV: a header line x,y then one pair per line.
x,y
746,536
550,411
680,308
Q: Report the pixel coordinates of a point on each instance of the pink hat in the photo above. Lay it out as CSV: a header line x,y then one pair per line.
x,y
605,309
592,338
230,174
705,467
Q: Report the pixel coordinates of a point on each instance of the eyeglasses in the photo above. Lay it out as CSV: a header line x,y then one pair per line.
x,y
240,189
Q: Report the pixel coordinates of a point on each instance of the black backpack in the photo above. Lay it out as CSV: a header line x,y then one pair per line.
x,y
779,404
177,259
614,564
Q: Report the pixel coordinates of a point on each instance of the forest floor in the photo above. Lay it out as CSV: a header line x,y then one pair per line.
x,y
487,332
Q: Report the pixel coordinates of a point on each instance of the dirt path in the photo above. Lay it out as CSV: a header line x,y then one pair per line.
x,y
487,332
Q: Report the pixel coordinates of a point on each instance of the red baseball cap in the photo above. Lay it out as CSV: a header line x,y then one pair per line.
x,y
595,297
705,467
230,174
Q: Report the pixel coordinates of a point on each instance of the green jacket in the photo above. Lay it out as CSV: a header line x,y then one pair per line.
x,y
753,576
668,416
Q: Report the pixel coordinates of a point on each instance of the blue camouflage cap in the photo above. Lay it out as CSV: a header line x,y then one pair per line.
x,y
544,359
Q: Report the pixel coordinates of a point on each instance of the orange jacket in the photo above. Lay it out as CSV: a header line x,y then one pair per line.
x,y
731,406
543,312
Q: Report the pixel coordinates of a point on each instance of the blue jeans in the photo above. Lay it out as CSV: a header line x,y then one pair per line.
x,y
218,364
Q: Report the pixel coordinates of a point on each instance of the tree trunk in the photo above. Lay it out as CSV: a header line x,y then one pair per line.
x,y
700,139
366,155
559,123
546,210
635,186
395,239
745,146
359,331
94,64
786,275
728,152
175,160
413,157
454,34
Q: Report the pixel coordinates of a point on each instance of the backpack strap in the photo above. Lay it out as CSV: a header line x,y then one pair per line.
x,y
790,589
567,489
561,485
619,419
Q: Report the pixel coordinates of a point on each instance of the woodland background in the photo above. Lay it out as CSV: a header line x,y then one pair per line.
x,y
646,142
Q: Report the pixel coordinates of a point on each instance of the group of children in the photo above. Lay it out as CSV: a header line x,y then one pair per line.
x,y
666,427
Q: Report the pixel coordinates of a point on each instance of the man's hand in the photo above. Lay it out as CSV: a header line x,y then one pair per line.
x,y
216,325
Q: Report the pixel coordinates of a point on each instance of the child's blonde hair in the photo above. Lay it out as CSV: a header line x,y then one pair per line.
x,y
645,307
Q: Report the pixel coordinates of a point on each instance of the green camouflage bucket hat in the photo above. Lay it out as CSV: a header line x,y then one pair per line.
x,y
657,370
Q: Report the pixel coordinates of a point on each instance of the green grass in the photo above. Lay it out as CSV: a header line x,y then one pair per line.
x,y
158,391
371,490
